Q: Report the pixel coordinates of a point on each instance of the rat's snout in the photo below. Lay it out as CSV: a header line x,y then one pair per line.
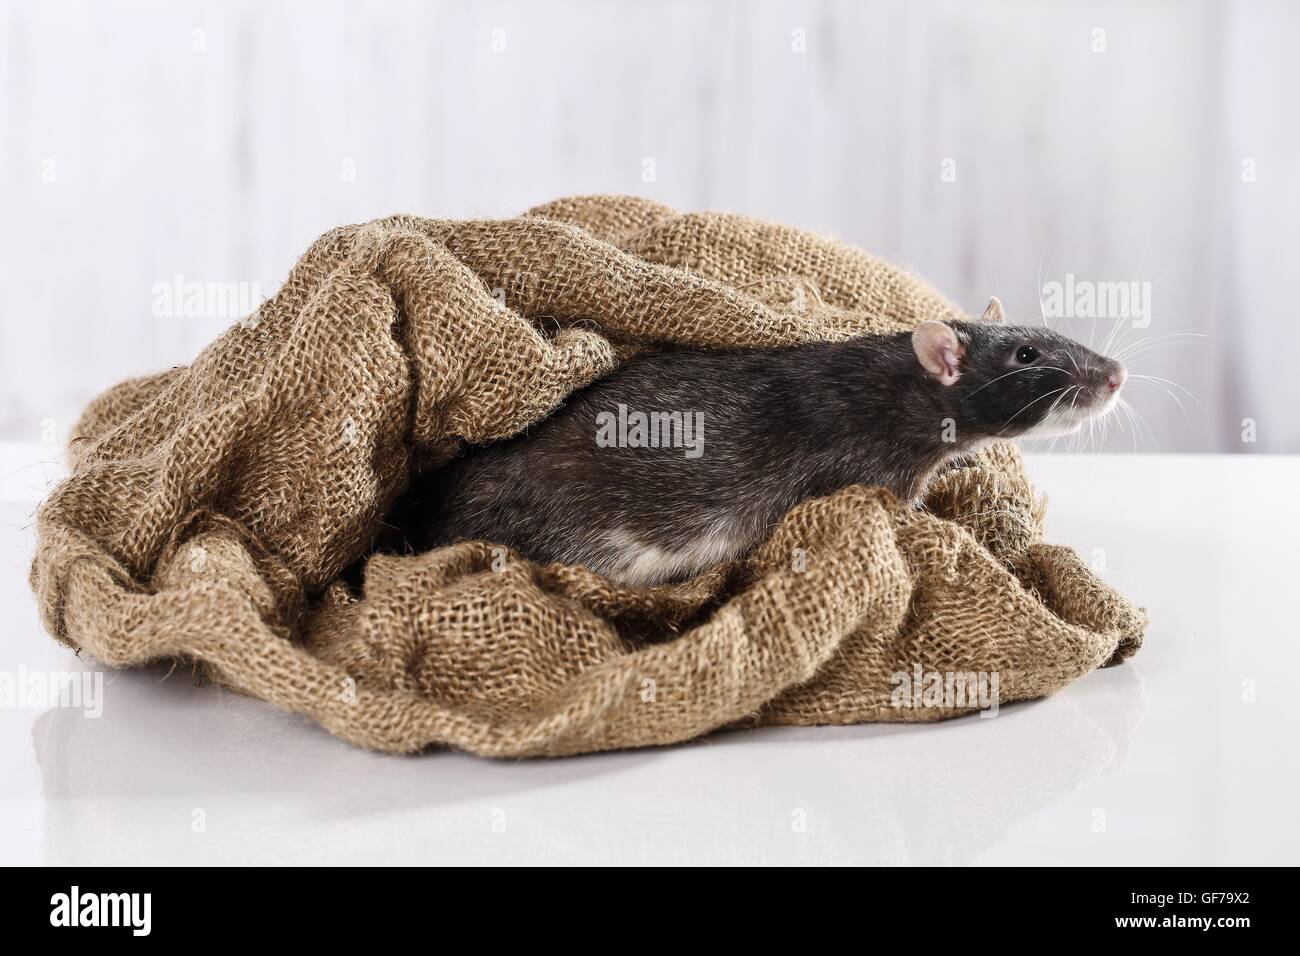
x,y
1116,376
1099,383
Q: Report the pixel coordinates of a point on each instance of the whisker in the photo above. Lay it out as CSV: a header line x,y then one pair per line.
x,y
1027,368
1171,382
1039,291
1034,402
1126,420
1158,383
1139,420
1114,330
1122,342
1075,401
1144,344
1123,407
1055,405
1143,349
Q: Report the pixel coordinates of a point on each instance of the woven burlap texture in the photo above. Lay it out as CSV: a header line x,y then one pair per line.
x,y
212,510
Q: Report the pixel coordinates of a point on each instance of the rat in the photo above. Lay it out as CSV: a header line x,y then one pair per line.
x,y
678,461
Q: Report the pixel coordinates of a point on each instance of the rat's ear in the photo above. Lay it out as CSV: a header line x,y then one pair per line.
x,y
939,349
994,312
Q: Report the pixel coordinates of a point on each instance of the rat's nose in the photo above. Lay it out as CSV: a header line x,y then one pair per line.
x,y
1116,378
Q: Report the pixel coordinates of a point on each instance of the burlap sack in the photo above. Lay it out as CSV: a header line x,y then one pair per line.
x,y
213,511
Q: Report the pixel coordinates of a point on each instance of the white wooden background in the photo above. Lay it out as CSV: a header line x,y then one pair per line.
x,y
145,140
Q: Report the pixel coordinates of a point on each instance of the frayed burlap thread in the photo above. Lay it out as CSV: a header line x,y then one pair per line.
x,y
212,510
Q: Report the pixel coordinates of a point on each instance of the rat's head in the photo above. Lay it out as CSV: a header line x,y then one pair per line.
x,y
1016,380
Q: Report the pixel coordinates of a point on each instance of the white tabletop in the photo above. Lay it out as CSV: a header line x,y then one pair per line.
x,y
1185,755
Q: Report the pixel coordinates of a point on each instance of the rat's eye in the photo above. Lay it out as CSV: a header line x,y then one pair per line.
x,y
1026,354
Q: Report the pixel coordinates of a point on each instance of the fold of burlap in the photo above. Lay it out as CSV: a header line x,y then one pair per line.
x,y
212,510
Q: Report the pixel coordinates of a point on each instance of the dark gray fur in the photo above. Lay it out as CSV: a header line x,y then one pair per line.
x,y
779,426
